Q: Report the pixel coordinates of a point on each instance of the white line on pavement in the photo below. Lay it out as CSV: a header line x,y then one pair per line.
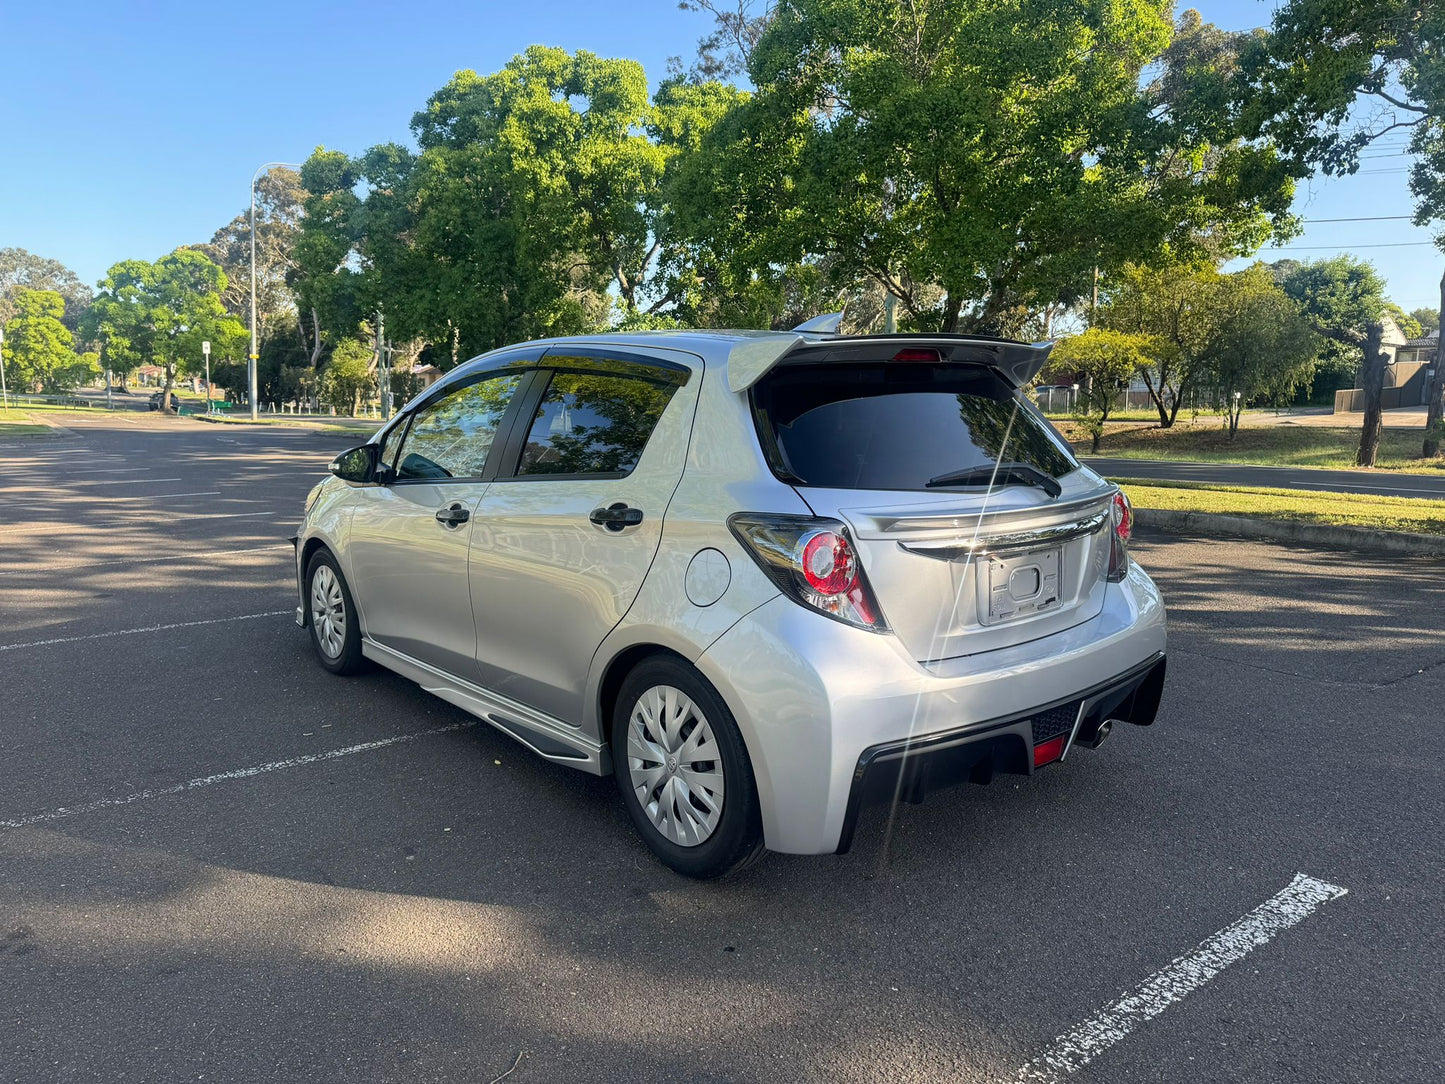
x,y
1075,1048
148,628
237,773
103,565
46,483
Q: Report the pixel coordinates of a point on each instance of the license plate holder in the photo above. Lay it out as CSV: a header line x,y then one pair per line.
x,y
1021,585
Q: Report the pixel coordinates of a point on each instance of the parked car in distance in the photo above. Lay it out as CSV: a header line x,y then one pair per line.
x,y
764,579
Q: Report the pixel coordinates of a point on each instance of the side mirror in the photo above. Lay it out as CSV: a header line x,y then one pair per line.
x,y
357,465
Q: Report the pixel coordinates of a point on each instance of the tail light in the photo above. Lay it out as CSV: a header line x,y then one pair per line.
x,y
1122,520
813,562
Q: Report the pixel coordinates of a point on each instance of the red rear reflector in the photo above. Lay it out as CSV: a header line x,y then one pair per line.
x,y
1048,751
916,353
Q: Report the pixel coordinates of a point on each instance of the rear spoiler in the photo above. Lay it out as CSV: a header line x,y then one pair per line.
x,y
1018,363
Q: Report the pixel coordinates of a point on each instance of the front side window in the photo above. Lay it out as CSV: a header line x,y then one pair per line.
x,y
451,436
594,423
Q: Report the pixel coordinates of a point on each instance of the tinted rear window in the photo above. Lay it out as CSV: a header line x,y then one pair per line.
x,y
895,426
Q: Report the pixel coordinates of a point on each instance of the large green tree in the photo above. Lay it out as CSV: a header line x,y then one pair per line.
x,y
39,348
994,153
1343,299
1260,347
22,270
1333,78
1101,361
160,313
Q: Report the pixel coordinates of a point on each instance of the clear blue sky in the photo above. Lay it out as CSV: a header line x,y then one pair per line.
x,y
127,129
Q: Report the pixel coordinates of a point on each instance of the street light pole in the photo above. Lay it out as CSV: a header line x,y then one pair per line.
x,y
206,350
4,394
254,357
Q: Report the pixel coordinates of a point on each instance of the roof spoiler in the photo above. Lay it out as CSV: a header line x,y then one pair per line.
x,y
1018,363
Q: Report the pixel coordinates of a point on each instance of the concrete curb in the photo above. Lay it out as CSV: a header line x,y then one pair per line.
x,y
1211,524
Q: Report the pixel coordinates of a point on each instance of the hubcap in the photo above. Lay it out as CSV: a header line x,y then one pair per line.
x,y
328,612
675,765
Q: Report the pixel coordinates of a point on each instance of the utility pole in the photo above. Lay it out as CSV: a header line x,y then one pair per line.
x,y
1094,304
4,394
383,380
206,350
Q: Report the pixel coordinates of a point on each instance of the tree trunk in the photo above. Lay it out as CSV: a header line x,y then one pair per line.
x,y
1435,392
1157,398
316,339
951,309
166,391
1374,381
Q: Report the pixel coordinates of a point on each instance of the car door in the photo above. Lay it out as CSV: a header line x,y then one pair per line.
x,y
565,535
410,532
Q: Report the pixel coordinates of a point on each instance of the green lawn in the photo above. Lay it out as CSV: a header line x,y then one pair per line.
x,y
18,423
1277,446
1332,509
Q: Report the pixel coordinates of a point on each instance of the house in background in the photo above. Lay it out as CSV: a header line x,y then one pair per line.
x,y
1406,372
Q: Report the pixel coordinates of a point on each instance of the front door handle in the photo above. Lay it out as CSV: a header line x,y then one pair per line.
x,y
616,516
453,516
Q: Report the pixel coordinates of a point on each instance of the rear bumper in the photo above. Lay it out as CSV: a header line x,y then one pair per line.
x,y
813,696
908,770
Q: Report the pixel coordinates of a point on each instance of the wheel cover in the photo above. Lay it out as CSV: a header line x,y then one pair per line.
x,y
328,612
675,766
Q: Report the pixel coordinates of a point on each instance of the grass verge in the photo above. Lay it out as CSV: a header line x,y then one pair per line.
x,y
18,423
1270,446
1411,514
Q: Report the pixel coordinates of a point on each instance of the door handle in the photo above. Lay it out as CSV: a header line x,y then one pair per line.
x,y
453,516
616,516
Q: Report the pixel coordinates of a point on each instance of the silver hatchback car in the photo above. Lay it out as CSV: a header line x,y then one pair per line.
x,y
763,578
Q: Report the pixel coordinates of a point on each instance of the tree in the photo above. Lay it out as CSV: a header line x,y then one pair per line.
x,y
279,209
161,312
1171,305
38,347
348,376
1102,361
1343,299
21,270
1428,319
994,153
1261,346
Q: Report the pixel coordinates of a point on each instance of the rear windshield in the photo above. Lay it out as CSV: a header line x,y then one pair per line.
x,y
896,426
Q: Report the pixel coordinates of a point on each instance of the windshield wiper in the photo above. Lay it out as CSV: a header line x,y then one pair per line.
x,y
1003,474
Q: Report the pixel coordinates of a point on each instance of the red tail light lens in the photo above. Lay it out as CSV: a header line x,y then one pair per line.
x,y
828,563
917,353
1122,520
813,562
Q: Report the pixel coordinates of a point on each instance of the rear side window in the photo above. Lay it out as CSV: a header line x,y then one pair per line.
x,y
594,424
450,437
896,426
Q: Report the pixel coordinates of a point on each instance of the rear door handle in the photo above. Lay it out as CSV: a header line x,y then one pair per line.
x,y
616,516
453,516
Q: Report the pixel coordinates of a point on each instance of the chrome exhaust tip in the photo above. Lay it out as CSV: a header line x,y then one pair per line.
x,y
1097,736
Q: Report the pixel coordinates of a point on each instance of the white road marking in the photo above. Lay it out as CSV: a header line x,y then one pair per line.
x,y
222,777
105,564
46,483
148,628
187,517
1074,1049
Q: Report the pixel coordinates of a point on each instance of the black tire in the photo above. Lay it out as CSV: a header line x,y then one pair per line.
x,y
737,838
348,659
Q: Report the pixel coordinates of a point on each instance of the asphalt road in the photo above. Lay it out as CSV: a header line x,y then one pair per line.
x,y
1374,483
217,862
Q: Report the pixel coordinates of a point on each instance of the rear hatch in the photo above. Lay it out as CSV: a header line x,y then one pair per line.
x,y
975,524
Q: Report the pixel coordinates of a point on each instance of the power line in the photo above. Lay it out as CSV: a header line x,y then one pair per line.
x,y
1397,244
1371,218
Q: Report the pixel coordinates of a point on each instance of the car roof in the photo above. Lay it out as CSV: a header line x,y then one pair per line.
x,y
744,356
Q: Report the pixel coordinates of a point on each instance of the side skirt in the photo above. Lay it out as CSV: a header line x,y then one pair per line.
x,y
548,737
